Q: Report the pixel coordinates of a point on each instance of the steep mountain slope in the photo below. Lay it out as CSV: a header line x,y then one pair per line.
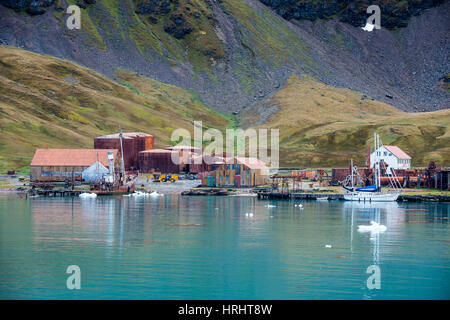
x,y
236,52
50,102
395,13
322,125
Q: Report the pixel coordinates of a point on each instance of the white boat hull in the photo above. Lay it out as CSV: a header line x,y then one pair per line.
x,y
371,197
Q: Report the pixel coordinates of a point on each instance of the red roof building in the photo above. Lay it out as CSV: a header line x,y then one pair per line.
x,y
55,165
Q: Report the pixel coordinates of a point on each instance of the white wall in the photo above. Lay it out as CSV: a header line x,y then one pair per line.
x,y
390,159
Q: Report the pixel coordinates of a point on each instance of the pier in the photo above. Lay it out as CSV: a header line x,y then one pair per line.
x,y
55,192
340,196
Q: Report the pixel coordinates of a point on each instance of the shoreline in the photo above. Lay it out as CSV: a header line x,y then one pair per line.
x,y
183,191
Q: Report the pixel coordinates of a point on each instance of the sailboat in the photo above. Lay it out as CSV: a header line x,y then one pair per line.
x,y
373,192
111,185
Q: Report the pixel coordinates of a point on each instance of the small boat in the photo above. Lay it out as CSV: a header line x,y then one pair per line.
x,y
115,183
372,193
371,197
105,190
322,198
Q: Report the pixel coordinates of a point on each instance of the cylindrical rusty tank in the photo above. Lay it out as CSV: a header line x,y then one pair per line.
x,y
158,160
133,143
386,181
187,149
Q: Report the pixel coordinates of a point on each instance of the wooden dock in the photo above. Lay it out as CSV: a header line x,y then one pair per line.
x,y
340,196
55,192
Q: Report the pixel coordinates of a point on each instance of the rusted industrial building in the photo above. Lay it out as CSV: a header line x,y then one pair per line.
x,y
133,143
59,165
239,172
183,149
158,160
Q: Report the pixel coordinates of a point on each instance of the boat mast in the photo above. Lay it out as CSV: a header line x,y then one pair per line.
x,y
122,165
378,166
351,163
375,159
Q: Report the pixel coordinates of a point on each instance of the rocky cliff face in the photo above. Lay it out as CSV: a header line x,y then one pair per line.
x,y
395,14
234,53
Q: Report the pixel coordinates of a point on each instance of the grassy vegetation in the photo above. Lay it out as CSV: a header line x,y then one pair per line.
x,y
49,102
325,126
267,35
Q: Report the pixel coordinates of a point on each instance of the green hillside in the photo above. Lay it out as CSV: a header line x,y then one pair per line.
x,y
325,126
45,101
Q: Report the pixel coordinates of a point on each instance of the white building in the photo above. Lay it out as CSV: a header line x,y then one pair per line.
x,y
94,173
393,156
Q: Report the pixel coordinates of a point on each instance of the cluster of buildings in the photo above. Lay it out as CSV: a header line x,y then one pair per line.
x,y
215,170
139,155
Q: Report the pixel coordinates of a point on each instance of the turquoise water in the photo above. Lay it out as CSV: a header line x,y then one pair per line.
x,y
174,247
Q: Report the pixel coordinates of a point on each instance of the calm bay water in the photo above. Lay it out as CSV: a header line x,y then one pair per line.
x,y
174,247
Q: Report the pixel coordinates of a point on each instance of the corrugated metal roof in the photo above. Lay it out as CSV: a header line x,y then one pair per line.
x,y
71,157
125,135
189,148
399,153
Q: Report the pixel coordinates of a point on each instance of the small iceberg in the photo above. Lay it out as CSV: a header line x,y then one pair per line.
x,y
374,227
88,195
328,246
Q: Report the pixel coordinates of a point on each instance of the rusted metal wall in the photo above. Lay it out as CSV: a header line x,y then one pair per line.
x,y
131,148
339,174
157,162
55,174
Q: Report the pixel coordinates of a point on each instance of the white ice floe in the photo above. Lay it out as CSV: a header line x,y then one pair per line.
x,y
88,195
374,227
143,194
140,194
328,246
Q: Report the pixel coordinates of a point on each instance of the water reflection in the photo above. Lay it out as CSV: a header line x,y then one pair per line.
x,y
174,247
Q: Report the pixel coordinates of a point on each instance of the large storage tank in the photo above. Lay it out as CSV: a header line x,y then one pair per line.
x,y
133,143
158,160
187,149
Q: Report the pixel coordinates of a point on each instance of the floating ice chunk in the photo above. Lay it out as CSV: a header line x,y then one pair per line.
x,y
86,195
374,227
328,246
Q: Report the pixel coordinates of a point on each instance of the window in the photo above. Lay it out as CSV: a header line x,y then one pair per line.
x,y
385,153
